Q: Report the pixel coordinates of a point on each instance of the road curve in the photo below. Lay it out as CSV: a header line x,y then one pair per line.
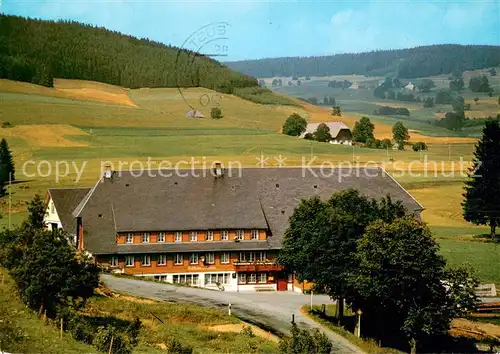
x,y
269,310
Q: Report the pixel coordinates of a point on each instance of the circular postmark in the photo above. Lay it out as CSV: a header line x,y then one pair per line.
x,y
211,41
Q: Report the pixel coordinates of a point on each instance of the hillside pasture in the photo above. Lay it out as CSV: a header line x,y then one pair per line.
x,y
87,133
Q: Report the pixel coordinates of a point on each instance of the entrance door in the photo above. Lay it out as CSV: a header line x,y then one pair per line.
x,y
282,285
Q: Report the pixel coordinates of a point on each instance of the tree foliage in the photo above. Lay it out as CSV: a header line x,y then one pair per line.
x,y
389,111
363,130
37,51
429,102
336,111
322,133
479,84
36,210
419,146
294,125
457,84
426,85
481,204
216,113
401,281
409,63
7,168
400,134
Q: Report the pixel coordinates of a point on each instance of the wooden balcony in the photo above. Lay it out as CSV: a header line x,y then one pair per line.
x,y
257,266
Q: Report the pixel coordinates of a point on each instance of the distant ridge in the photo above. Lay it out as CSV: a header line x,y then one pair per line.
x,y
38,51
404,63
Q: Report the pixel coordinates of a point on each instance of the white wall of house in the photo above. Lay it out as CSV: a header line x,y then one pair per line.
x,y
341,142
51,216
201,280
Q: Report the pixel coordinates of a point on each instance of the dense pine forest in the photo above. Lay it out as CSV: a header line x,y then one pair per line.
x,y
37,51
403,63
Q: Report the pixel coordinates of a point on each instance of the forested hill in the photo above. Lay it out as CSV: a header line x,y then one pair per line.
x,y
403,63
37,51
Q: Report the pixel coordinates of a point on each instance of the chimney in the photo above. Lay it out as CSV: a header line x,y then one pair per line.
x,y
218,170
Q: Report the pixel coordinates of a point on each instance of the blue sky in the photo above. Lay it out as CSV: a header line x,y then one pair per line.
x,y
277,28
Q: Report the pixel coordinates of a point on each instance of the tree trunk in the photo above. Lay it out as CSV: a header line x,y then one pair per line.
x,y
493,226
413,346
340,309
40,311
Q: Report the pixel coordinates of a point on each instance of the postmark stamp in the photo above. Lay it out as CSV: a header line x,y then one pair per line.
x,y
211,41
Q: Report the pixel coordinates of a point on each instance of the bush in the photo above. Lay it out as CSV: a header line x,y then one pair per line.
x,y
419,146
386,144
303,342
247,331
175,347
389,111
444,97
107,337
429,102
216,113
309,136
373,143
6,125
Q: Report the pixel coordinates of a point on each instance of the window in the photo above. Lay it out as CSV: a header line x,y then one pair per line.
x,y
161,237
252,278
178,236
178,259
146,260
52,207
251,256
243,257
162,259
224,235
209,236
262,278
114,262
129,238
193,236
129,261
255,234
193,259
145,237
240,235
262,257
242,278
189,279
214,278
209,258
224,258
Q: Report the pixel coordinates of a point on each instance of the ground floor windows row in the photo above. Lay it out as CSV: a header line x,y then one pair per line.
x,y
252,278
195,279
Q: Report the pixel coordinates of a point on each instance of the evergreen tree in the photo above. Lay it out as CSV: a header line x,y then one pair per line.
x,y
481,204
36,209
6,162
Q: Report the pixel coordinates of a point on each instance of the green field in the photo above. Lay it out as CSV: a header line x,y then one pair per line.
x,y
49,125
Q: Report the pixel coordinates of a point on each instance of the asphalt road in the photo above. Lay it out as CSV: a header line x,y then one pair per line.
x,y
270,310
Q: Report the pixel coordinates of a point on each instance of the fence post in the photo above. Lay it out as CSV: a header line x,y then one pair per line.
x,y
111,344
61,328
229,309
293,318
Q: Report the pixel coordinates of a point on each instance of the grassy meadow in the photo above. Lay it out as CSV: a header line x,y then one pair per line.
x,y
86,123
206,330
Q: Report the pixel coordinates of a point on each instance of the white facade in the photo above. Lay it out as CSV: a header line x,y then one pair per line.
x,y
228,281
51,218
341,142
410,86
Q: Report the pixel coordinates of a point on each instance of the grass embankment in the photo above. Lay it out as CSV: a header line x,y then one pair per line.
x,y
206,330
21,331
367,345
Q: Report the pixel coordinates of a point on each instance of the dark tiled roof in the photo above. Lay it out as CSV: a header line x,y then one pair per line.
x,y
253,198
65,201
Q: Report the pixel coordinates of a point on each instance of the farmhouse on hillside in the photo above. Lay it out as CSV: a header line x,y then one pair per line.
x,y
341,134
194,114
214,228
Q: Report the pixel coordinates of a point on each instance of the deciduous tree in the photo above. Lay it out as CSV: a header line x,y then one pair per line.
x,y
363,130
294,125
322,133
400,134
